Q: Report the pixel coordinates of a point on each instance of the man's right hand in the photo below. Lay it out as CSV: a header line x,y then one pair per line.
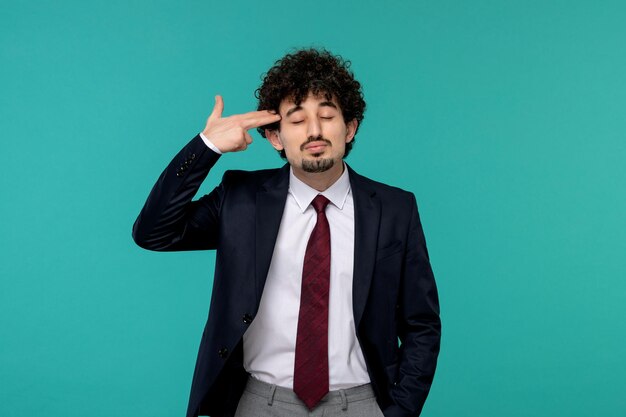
x,y
230,134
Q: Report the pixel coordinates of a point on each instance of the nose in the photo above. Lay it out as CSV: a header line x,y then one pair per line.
x,y
314,128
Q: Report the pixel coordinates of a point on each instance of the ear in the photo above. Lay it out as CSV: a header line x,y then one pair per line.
x,y
351,125
273,137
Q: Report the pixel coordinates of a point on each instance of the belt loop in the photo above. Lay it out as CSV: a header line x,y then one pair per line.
x,y
270,398
344,400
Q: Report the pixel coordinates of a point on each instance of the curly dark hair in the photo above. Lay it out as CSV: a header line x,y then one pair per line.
x,y
314,71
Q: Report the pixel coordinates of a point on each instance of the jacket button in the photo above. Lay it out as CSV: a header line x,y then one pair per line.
x,y
247,318
223,352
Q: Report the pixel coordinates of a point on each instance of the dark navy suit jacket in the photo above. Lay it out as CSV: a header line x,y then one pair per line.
x,y
394,293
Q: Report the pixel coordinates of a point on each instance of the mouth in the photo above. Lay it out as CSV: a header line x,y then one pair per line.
x,y
316,146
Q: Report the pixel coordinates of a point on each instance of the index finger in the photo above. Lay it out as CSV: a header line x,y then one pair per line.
x,y
258,118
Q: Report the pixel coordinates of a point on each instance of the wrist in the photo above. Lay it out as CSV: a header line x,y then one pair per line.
x,y
210,144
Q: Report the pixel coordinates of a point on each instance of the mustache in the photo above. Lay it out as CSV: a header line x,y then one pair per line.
x,y
315,139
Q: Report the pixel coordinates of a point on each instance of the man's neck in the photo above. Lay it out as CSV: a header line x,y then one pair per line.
x,y
320,181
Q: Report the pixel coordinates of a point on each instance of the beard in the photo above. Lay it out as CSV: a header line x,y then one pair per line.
x,y
317,165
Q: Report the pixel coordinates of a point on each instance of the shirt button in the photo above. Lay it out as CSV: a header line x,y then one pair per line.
x,y
247,318
223,352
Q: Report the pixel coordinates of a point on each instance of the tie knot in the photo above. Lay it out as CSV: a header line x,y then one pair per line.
x,y
319,203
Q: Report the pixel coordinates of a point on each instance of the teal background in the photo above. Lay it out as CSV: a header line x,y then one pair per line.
x,y
506,119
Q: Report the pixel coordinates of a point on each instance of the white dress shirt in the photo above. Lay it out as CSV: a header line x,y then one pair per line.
x,y
269,344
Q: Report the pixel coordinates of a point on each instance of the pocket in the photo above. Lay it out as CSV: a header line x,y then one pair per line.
x,y
249,405
389,250
392,373
378,410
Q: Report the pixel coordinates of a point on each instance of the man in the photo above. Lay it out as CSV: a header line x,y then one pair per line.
x,y
319,271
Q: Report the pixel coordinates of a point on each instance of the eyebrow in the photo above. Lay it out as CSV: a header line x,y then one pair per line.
x,y
293,110
298,107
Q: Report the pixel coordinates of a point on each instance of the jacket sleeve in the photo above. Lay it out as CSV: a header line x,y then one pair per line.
x,y
169,220
419,327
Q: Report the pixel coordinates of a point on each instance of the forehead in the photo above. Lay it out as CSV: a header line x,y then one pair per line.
x,y
309,101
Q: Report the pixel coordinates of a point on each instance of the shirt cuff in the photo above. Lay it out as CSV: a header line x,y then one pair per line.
x,y
210,144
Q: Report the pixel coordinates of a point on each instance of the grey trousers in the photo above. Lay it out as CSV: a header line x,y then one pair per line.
x,y
260,399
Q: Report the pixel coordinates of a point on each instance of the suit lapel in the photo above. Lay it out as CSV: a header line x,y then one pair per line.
x,y
271,199
270,204
366,223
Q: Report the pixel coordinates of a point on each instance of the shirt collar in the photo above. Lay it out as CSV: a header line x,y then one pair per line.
x,y
304,194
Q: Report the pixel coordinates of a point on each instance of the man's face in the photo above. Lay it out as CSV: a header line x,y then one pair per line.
x,y
313,134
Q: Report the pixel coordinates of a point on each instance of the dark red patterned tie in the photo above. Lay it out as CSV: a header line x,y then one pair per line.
x,y
310,378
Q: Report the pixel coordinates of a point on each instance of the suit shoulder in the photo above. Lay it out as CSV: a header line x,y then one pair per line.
x,y
237,176
240,174
386,191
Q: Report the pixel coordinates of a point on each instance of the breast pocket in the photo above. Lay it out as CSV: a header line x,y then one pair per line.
x,y
389,251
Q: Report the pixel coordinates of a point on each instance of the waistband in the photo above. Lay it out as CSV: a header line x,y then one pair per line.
x,y
282,394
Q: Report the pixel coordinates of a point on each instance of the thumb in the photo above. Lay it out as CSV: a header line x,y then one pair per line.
x,y
218,108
